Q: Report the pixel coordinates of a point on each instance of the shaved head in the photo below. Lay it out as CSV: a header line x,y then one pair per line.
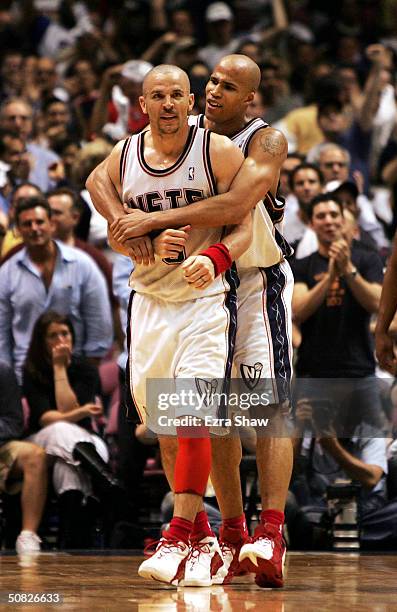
x,y
156,74
242,69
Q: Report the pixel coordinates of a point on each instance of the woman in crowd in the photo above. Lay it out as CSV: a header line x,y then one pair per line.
x,y
62,392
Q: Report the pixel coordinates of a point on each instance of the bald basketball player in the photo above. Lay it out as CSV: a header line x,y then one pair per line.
x,y
182,306
263,336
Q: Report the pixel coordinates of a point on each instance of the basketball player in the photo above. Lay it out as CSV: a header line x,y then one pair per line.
x,y
264,330
181,309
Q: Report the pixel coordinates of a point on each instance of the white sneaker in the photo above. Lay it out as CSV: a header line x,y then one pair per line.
x,y
27,543
204,560
230,541
167,563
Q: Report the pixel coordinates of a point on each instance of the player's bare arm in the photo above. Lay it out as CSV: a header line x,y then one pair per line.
x,y
385,351
105,190
104,187
199,270
258,174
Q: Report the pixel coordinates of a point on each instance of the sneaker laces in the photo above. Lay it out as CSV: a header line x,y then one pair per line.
x,y
163,543
226,547
197,548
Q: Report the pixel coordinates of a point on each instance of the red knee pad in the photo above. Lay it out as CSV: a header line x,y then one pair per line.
x,y
193,463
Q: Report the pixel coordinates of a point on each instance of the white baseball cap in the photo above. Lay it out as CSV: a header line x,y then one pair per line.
x,y
136,70
218,11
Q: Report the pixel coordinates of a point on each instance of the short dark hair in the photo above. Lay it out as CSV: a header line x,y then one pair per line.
x,y
53,100
65,191
324,106
29,203
305,166
320,199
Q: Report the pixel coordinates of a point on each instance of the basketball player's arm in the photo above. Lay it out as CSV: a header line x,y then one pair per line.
x,y
199,270
258,174
238,236
388,305
103,185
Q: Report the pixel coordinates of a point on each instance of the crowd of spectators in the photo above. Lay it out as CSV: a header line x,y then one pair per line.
x,y
70,75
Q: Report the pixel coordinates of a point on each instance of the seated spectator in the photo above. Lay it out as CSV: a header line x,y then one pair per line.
x,y
335,164
45,275
337,289
58,123
16,115
220,22
67,149
62,391
83,83
87,159
12,237
23,464
293,160
306,181
117,111
15,164
323,458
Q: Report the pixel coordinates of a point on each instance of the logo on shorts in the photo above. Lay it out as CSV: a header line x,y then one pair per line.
x,y
251,374
191,173
206,389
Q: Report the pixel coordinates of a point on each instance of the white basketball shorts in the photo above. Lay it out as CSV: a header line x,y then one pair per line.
x,y
177,347
263,349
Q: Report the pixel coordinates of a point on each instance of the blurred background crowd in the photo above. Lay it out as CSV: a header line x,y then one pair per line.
x,y
71,73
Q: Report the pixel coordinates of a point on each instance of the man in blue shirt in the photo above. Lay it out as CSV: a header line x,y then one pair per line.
x,y
48,275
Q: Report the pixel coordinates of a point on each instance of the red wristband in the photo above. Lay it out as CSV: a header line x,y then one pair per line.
x,y
220,257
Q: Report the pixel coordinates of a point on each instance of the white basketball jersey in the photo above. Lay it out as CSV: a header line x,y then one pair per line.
x,y
188,180
263,251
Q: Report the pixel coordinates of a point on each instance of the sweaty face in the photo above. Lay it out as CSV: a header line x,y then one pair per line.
x,y
334,166
306,185
226,95
327,222
167,101
35,227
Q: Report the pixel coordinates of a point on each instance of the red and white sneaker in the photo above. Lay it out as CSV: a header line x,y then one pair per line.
x,y
230,541
203,561
167,564
265,556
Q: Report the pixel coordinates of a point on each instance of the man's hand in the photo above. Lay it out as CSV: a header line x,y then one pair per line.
x,y
385,352
340,252
141,250
198,271
133,224
171,242
380,55
332,270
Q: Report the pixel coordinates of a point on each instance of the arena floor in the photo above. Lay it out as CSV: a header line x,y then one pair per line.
x,y
315,582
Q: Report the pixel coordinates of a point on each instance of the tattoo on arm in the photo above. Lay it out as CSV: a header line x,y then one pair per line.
x,y
274,144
